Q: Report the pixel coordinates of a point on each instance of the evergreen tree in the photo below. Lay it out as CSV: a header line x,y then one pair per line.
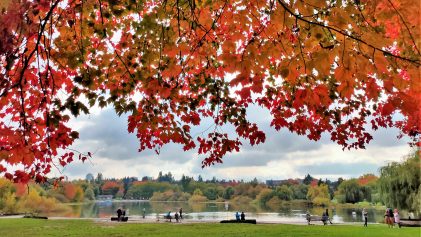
x,y
307,179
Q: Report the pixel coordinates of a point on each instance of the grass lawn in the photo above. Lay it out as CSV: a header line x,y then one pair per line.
x,y
33,227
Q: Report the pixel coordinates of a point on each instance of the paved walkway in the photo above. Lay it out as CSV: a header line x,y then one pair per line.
x,y
137,219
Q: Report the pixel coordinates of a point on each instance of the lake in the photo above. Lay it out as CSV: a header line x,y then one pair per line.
x,y
292,213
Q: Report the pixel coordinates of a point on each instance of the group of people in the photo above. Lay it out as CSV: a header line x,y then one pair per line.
x,y
240,217
177,216
391,217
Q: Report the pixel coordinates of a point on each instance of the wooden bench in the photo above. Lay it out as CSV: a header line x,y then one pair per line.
x,y
317,218
35,217
165,217
122,219
410,222
248,221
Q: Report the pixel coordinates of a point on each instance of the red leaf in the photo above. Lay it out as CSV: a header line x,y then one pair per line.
x,y
2,169
62,163
388,108
8,176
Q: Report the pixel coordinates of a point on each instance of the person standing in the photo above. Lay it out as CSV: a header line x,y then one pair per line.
x,y
181,213
243,216
396,216
237,216
388,217
365,215
391,218
144,213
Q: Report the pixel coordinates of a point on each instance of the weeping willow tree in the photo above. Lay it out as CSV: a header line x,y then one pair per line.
x,y
400,184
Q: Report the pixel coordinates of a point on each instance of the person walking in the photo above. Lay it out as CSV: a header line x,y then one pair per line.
x,y
327,216
324,218
388,217
181,213
308,217
365,215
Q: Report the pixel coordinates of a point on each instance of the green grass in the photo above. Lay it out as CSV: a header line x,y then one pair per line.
x,y
33,227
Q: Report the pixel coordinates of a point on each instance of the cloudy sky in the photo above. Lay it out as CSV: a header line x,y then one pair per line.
x,y
283,155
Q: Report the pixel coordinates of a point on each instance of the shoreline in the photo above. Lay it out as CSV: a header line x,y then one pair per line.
x,y
134,220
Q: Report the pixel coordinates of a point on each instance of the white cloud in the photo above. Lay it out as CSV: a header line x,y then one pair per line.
x,y
284,155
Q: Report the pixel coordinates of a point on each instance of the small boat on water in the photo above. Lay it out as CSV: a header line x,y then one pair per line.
x,y
410,222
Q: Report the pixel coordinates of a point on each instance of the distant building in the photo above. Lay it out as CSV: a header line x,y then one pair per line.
x,y
104,197
90,177
147,178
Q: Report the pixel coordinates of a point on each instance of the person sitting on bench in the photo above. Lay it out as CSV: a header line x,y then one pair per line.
x,y
168,216
119,213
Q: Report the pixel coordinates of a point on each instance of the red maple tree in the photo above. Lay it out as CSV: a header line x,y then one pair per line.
x,y
336,67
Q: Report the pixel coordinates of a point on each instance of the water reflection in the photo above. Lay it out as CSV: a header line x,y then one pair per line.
x,y
219,211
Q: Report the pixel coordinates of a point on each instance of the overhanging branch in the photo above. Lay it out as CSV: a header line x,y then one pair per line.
x,y
298,17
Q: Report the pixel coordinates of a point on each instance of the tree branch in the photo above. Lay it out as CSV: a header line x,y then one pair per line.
x,y
28,59
416,62
406,26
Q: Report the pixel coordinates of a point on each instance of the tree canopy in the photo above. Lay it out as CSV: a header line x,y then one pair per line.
x,y
337,67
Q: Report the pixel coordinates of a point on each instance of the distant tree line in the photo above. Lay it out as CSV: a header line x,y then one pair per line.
x,y
398,186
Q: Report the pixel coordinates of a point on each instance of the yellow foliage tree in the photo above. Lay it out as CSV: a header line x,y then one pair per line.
x,y
319,195
34,203
10,203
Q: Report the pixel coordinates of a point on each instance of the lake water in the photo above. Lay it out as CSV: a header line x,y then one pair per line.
x,y
217,211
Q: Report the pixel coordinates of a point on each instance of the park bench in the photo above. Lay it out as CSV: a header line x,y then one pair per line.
x,y
168,217
35,217
410,222
317,218
165,217
122,219
248,221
